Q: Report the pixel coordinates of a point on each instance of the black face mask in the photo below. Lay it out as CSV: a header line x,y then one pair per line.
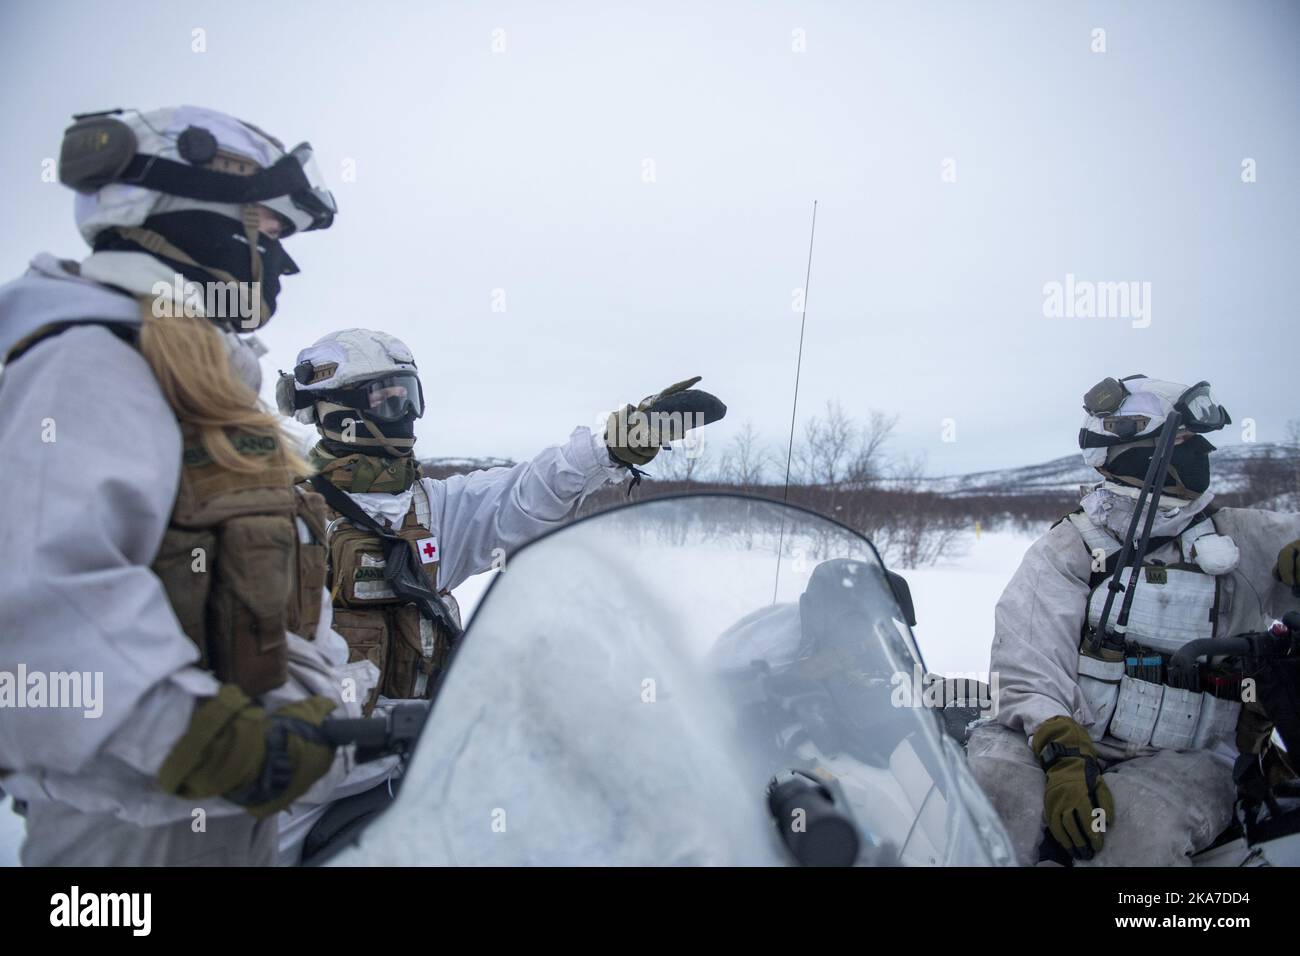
x,y
402,428
1191,465
1189,468
337,421
215,242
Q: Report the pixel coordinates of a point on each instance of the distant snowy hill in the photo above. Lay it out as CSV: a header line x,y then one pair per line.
x,y
1229,466
442,467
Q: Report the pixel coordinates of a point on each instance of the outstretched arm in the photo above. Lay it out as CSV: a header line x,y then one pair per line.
x,y
478,513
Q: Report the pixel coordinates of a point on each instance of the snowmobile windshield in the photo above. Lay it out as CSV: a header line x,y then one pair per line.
x,y
633,682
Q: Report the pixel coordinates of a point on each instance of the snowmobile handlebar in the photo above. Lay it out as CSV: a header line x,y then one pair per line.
x,y
1279,640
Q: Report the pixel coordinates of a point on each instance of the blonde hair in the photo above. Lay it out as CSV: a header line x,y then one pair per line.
x,y
193,369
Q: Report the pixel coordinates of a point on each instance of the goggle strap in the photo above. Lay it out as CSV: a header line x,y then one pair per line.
x,y
283,178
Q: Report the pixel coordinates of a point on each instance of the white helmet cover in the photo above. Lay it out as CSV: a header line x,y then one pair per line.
x,y
1144,409
157,134
338,360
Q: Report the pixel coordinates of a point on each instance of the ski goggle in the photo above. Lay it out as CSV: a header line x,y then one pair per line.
x,y
1200,410
387,399
311,206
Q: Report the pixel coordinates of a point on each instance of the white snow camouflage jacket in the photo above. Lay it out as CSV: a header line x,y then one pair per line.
x,y
1039,618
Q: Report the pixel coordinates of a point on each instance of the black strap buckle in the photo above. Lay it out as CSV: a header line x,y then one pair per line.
x,y
1056,751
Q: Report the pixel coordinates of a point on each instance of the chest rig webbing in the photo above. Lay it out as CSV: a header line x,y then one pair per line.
x,y
380,625
1176,602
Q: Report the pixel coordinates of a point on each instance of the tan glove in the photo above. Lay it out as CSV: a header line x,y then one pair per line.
x,y
1075,788
234,749
634,435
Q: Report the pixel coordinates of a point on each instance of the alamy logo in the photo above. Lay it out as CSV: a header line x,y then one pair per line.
x,y
640,429
932,691
238,302
1085,299
58,689
103,909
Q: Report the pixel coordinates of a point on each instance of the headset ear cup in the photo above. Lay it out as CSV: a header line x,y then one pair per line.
x,y
95,152
286,397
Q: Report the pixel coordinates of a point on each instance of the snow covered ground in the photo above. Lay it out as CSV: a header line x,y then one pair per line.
x,y
954,607
955,599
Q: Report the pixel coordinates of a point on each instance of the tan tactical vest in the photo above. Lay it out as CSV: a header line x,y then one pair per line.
x,y
379,626
242,562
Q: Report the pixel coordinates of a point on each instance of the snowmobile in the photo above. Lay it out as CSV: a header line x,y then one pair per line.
x,y
653,685
650,686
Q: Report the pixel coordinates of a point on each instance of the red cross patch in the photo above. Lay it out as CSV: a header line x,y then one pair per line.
x,y
428,548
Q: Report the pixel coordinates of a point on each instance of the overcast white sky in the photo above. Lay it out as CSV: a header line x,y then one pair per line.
x,y
522,170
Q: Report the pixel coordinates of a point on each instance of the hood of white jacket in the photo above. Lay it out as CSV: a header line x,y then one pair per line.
x,y
104,286
1110,505
51,291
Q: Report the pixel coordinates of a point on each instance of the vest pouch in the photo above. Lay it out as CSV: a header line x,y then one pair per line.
x,y
1136,711
1171,606
1099,680
367,635
304,612
1218,721
357,559
414,655
309,581
255,569
1180,711
185,567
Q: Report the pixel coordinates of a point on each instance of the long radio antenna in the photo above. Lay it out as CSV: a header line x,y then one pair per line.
x,y
794,408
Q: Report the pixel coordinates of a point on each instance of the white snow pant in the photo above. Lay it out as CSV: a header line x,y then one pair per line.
x,y
1168,805
60,835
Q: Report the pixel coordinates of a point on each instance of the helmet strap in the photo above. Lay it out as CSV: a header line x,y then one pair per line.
x,y
252,222
1174,493
394,447
156,244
